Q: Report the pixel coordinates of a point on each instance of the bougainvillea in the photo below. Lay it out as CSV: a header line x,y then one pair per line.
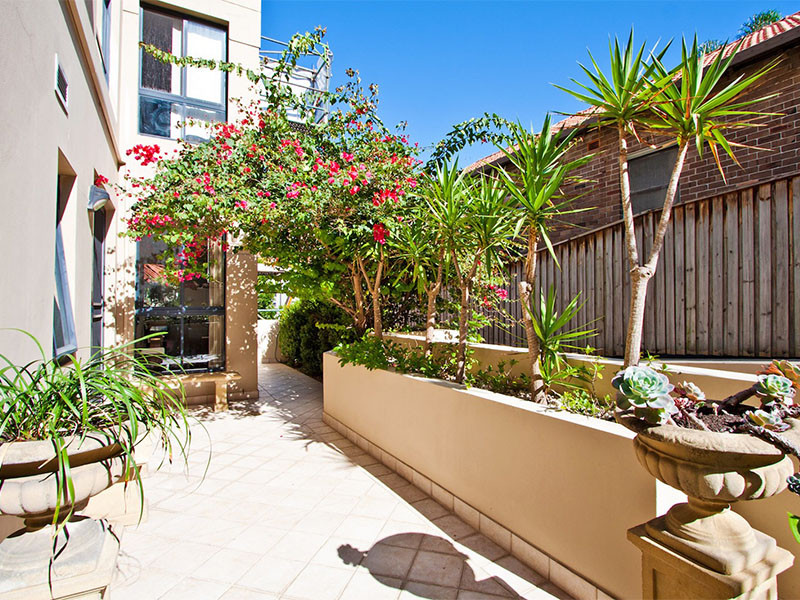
x,y
318,199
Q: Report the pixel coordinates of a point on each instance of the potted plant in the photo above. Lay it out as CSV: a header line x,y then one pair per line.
x,y
68,430
702,448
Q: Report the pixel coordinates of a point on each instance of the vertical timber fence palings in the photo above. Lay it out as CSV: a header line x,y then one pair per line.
x,y
727,283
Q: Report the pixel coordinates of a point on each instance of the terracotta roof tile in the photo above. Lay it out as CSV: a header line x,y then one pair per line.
x,y
757,37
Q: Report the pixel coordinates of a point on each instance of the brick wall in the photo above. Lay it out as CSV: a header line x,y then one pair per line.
x,y
779,136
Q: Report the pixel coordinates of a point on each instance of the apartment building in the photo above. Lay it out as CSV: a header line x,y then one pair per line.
x,y
77,94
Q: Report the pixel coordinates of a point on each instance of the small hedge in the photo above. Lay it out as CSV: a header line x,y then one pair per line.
x,y
308,329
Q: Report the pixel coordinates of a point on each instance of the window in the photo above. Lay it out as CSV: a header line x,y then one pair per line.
x,y
189,315
649,175
171,96
104,35
64,339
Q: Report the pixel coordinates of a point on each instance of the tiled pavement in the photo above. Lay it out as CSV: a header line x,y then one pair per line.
x,y
291,509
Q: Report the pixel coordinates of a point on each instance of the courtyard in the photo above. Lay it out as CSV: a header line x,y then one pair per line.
x,y
291,509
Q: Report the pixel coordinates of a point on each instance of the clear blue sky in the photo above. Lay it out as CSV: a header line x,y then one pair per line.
x,y
440,62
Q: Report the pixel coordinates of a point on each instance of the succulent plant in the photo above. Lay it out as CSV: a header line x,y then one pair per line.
x,y
767,420
689,390
646,392
774,389
785,368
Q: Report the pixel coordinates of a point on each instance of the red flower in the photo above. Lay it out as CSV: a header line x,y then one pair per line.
x,y
100,180
379,232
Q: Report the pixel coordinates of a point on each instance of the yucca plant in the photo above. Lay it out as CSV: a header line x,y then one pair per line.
x,y
690,104
557,336
112,397
540,168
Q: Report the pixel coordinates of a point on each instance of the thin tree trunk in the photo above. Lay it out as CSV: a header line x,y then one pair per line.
x,y
358,293
640,275
375,292
433,293
465,283
538,393
625,194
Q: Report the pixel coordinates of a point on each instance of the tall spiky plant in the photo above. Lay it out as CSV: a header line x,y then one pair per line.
x,y
687,103
539,170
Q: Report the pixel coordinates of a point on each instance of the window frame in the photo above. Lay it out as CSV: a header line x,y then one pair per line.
x,y
182,312
62,297
632,158
182,99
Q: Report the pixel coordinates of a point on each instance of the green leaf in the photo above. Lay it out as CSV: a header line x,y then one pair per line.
x,y
794,525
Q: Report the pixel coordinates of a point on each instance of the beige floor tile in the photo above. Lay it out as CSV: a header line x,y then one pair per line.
x,y
196,589
226,565
256,538
271,574
414,590
292,509
240,593
319,582
364,586
297,545
359,529
437,569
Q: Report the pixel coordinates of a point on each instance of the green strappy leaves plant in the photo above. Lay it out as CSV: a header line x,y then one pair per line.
x,y
539,168
689,104
112,397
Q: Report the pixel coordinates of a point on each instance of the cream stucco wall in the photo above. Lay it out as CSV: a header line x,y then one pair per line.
x,y
242,19
568,485
40,140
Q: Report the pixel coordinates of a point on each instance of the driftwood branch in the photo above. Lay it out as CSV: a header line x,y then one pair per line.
x,y
739,397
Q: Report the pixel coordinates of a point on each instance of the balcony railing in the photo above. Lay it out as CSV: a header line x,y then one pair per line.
x,y
309,80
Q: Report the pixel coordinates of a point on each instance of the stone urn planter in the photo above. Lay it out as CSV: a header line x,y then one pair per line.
x,y
85,549
714,470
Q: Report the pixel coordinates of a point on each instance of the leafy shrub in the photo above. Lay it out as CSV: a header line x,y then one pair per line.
x,y
583,402
308,329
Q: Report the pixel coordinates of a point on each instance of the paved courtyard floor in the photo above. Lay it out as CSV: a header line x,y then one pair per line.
x,y
291,509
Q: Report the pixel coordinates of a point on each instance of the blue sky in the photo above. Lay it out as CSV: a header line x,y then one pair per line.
x,y
440,62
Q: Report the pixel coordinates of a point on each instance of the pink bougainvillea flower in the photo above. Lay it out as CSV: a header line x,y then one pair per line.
x,y
100,180
379,232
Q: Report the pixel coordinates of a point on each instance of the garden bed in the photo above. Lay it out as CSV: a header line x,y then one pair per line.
x,y
564,488
567,485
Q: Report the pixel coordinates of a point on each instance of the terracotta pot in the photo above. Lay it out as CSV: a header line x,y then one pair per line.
x,y
28,487
713,470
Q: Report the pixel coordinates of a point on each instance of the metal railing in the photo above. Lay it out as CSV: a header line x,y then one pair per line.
x,y
307,81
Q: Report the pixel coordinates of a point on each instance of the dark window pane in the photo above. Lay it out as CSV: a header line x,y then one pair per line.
x,y
164,33
202,342
164,350
64,338
649,177
152,289
159,117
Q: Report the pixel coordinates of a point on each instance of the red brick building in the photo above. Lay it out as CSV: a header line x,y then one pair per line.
x,y
728,278
779,136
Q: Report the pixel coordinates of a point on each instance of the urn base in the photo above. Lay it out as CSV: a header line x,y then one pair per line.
x,y
80,567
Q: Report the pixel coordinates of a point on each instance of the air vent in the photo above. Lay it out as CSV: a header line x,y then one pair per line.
x,y
61,84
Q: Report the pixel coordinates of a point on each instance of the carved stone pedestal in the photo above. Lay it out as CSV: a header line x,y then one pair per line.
x,y
80,568
667,573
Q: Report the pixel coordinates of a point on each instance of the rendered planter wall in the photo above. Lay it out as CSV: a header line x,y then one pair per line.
x,y
568,485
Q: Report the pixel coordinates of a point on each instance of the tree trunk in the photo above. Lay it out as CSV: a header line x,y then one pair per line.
x,y
465,285
525,294
376,302
358,293
433,293
461,360
640,276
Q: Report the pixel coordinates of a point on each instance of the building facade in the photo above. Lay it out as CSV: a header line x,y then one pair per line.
x,y
79,93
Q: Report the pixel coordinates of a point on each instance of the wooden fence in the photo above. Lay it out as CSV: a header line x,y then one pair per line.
x,y
727,283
